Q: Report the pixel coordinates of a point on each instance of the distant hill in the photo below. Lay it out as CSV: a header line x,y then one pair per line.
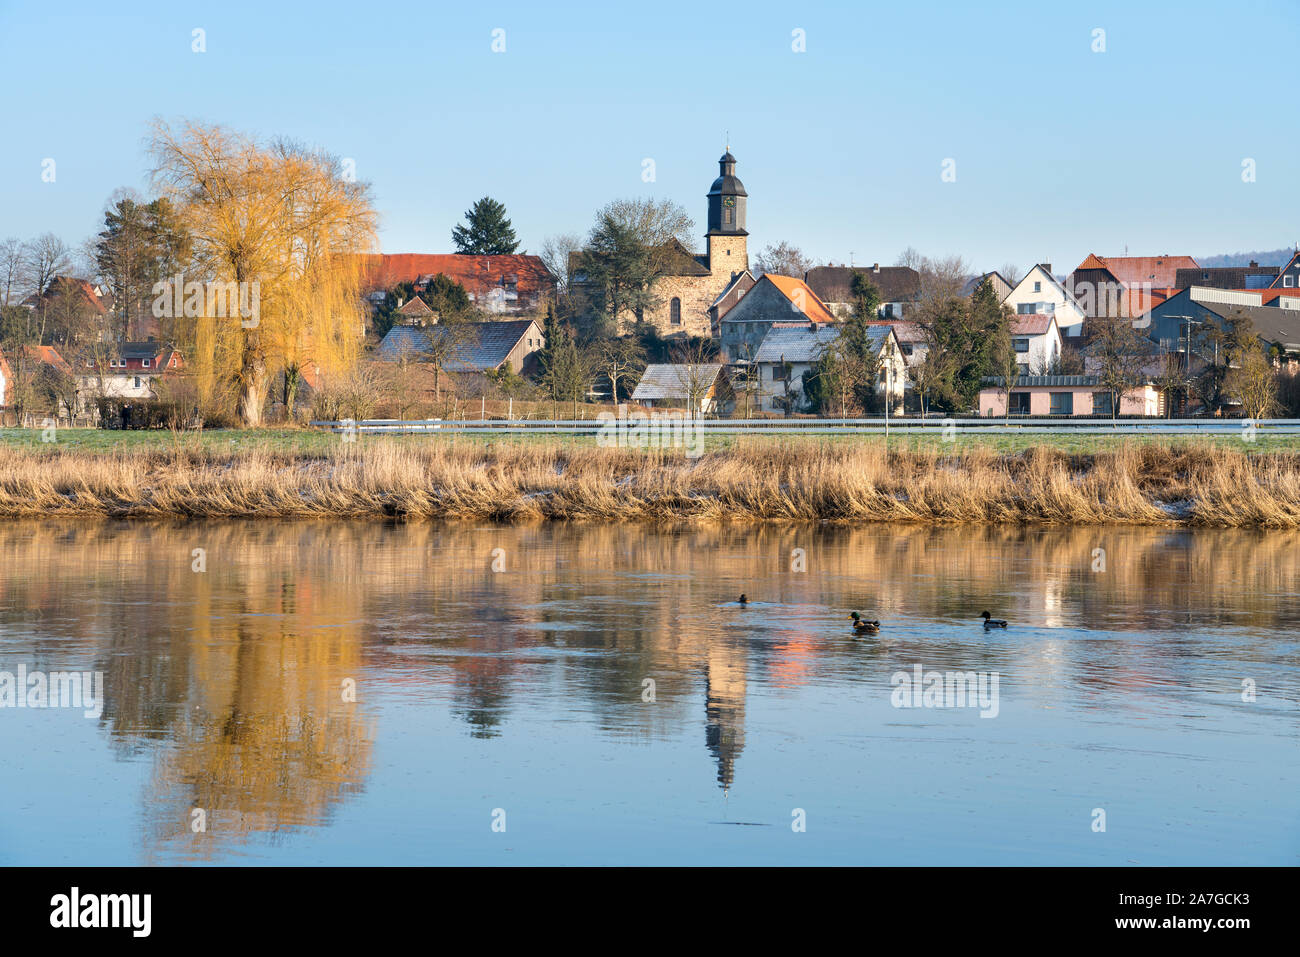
x,y
1269,257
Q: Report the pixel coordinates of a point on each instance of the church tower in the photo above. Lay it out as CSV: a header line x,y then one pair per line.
x,y
727,244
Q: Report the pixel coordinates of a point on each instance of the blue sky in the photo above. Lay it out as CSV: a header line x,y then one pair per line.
x,y
1059,150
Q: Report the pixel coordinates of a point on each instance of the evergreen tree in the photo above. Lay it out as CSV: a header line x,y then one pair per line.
x,y
487,231
865,297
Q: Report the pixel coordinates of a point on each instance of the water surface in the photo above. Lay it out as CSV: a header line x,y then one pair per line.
x,y
500,676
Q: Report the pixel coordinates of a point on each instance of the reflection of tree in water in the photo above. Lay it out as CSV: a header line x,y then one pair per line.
x,y
232,677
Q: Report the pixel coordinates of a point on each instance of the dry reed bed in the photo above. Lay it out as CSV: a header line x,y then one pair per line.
x,y
803,480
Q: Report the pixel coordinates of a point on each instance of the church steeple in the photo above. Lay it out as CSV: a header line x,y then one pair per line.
x,y
727,199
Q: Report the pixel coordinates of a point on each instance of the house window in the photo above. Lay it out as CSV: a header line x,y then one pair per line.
x,y
907,348
726,215
1023,367
1020,403
1038,287
144,364
1288,280
889,310
675,311
1062,403
1020,345
137,382
1101,403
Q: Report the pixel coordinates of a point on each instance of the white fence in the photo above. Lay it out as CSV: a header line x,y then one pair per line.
x,y
870,425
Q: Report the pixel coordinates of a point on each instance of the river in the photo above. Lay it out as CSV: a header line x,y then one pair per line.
x,y
368,693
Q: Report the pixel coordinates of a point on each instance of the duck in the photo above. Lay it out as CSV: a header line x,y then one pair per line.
x,y
864,627
991,622
742,600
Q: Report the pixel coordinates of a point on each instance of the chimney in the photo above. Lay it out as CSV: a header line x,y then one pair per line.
x,y
1253,264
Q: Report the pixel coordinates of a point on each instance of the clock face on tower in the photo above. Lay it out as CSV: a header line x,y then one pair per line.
x,y
728,201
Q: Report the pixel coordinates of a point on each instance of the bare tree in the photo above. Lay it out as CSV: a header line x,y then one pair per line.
x,y
1011,273
46,257
1122,354
1253,383
12,271
696,365
621,357
557,256
1009,366
782,259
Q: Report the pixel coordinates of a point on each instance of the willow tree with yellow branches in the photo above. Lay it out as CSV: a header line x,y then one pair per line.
x,y
286,219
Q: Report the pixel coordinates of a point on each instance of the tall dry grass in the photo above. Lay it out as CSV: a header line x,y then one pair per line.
x,y
802,480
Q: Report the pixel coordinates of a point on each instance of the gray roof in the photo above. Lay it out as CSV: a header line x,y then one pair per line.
x,y
1272,323
796,343
480,345
806,342
1026,381
673,381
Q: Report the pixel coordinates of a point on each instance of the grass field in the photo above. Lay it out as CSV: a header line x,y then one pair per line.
x,y
303,474
313,441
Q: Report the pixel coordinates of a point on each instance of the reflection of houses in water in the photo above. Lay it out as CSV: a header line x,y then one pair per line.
x,y
724,707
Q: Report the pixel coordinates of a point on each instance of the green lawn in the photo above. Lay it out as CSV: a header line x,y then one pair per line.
x,y
311,440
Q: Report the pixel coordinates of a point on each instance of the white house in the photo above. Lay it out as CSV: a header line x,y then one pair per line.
x,y
1037,343
1039,294
792,348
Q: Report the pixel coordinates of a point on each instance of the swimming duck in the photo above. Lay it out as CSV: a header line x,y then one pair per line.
x,y
990,622
742,600
864,627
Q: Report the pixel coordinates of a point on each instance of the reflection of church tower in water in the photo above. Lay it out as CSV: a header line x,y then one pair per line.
x,y
724,707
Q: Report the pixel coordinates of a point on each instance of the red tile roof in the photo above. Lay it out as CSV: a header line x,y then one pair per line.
x,y
1034,324
1160,271
1270,294
478,274
50,356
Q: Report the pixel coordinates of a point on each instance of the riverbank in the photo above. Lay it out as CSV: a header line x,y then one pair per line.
x,y
758,480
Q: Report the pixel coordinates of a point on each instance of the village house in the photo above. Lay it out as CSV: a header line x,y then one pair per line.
x,y
900,288
516,284
6,376
477,346
792,348
771,300
1040,294
125,370
690,284
1124,285
1253,276
1169,323
1288,277
1079,395
1036,341
1001,288
741,284
703,388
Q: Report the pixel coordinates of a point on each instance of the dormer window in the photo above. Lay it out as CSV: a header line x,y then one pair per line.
x,y
144,363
